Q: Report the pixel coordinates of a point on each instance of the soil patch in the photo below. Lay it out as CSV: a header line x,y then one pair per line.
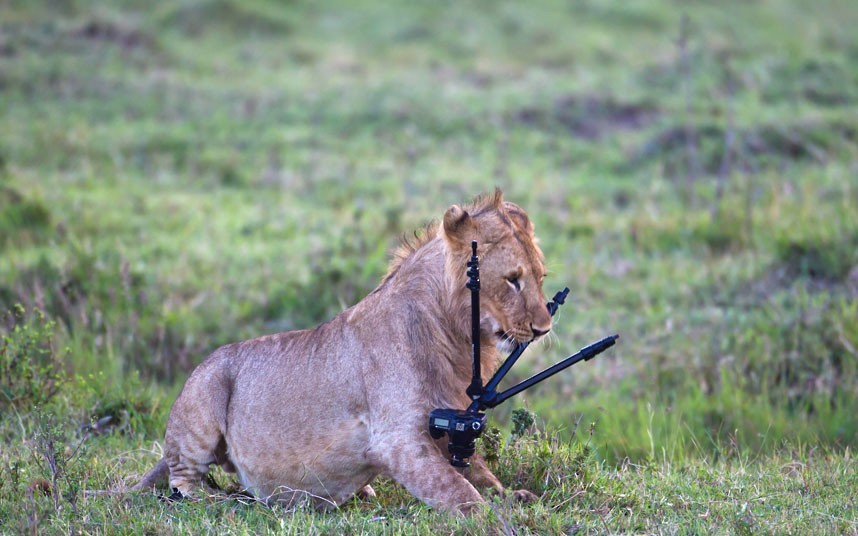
x,y
753,147
587,116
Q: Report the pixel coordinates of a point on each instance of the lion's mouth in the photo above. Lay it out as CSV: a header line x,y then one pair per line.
x,y
505,342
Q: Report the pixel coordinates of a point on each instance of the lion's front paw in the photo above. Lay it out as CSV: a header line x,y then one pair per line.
x,y
523,496
366,492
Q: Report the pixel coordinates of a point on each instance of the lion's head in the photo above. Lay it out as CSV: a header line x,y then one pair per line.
x,y
511,267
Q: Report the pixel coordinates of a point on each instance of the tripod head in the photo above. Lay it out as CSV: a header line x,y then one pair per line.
x,y
464,427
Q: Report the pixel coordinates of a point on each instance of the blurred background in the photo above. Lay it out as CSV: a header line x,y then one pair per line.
x,y
179,175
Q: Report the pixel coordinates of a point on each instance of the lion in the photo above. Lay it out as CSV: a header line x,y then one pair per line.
x,y
324,411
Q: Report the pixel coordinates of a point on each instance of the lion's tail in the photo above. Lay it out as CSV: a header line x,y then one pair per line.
x,y
155,478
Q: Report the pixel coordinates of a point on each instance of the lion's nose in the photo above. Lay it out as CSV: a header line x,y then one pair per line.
x,y
539,332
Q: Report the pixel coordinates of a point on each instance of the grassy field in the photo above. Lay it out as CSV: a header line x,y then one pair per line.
x,y
178,175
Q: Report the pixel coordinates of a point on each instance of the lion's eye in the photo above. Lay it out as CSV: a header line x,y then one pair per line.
x,y
514,282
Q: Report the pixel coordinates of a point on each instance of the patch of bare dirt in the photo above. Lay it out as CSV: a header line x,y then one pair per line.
x,y
753,147
589,117
123,35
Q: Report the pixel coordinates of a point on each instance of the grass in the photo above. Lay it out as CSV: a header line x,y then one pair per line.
x,y
178,176
796,490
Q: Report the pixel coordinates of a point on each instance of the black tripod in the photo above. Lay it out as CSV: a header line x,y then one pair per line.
x,y
464,427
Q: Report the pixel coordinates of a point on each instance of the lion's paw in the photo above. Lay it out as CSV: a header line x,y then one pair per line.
x,y
366,492
523,496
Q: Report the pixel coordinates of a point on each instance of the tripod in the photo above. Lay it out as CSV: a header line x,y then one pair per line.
x,y
464,427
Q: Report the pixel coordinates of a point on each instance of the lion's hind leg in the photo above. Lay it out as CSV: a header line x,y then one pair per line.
x,y
189,458
195,435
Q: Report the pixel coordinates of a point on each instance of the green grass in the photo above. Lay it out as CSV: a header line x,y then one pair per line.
x,y
181,175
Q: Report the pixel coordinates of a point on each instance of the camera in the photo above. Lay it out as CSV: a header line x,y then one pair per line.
x,y
463,429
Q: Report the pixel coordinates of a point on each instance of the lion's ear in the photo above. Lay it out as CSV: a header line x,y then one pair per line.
x,y
459,226
519,215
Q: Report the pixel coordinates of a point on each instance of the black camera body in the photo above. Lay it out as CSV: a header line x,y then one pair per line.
x,y
462,427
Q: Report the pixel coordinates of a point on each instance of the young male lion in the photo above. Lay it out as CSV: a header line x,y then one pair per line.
x,y
324,411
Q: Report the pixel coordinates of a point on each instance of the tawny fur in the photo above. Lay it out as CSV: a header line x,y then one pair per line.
x,y
322,412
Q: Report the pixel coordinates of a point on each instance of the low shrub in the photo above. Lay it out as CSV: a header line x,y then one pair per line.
x,y
31,369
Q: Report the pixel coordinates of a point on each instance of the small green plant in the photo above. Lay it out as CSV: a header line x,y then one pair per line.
x,y
522,422
491,443
32,371
60,458
538,460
